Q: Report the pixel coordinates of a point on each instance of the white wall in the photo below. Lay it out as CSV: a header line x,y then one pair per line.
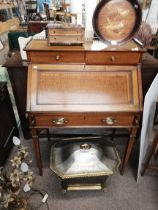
x,y
90,6
76,7
152,18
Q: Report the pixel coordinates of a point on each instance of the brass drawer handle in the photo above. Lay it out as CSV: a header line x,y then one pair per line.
x,y
85,146
60,121
57,57
113,58
109,120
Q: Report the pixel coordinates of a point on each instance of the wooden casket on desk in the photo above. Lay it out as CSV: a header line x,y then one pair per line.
x,y
83,86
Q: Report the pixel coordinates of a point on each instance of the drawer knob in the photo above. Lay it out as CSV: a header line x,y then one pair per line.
x,y
109,120
136,121
60,121
57,57
113,58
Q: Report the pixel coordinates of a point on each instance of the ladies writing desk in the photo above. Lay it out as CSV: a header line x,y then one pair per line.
x,y
84,86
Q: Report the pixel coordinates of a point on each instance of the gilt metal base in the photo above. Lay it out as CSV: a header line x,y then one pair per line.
x,y
86,183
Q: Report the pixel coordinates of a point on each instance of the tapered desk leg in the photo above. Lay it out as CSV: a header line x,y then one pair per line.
x,y
128,150
36,146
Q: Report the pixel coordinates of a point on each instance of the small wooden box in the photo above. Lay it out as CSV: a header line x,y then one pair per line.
x,y
68,34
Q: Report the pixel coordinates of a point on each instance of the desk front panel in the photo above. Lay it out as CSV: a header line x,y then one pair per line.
x,y
83,88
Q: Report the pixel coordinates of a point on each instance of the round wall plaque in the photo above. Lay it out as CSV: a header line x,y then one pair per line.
x,y
116,21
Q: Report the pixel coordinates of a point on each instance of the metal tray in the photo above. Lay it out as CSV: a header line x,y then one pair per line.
x,y
116,21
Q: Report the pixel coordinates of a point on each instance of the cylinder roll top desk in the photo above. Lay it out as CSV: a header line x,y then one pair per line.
x,y
84,86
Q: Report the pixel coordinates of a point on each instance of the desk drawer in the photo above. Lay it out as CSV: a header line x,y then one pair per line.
x,y
109,119
57,57
66,31
83,119
59,120
112,58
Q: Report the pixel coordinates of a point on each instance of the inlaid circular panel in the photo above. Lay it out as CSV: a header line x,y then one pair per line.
x,y
116,20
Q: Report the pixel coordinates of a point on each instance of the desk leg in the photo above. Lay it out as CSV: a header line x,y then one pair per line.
x,y
128,150
36,146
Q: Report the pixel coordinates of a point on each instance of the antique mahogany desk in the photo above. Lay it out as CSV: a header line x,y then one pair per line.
x,y
17,69
83,86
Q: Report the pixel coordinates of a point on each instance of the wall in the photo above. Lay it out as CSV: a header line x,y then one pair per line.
x,y
152,17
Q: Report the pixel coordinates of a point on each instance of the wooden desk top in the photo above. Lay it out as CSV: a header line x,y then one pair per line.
x,y
42,45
